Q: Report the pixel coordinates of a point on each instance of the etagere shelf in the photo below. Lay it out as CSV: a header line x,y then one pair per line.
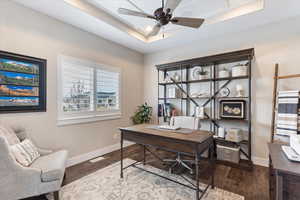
x,y
213,84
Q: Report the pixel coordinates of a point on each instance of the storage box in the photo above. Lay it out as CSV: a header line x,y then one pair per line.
x,y
239,70
234,135
230,154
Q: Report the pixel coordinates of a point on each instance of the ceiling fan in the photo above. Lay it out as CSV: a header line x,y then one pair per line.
x,y
163,16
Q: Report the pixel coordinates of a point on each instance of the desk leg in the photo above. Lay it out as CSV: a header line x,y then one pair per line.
x,y
121,175
279,187
144,159
197,174
213,164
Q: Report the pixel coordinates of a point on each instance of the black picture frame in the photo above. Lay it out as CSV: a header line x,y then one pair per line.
x,y
23,84
229,109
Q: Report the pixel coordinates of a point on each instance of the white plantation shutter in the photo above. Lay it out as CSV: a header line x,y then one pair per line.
x,y
87,91
107,85
78,88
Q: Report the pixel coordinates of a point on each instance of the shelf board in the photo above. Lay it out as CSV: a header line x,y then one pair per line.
x,y
232,120
199,81
230,142
206,80
172,98
232,97
171,83
229,120
231,78
200,97
184,98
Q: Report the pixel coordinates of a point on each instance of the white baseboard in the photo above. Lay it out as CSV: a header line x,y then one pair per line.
x,y
260,161
94,154
99,152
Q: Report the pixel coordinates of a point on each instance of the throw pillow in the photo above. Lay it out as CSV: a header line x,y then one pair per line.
x,y
9,134
25,152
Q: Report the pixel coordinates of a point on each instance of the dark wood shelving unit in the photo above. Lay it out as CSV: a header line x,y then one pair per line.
x,y
212,101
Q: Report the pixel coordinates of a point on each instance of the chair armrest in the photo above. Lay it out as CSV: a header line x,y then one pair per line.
x,y
44,152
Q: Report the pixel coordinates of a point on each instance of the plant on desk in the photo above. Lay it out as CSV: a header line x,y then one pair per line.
x,y
142,115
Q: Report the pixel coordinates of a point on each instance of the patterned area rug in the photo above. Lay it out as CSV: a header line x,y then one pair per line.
x,y
105,184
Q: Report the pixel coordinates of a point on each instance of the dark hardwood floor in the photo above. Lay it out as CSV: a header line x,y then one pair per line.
x,y
254,185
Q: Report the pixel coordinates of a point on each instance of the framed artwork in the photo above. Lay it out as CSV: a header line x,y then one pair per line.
x,y
232,109
22,83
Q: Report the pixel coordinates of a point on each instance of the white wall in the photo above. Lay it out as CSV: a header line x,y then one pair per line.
x,y
27,32
274,43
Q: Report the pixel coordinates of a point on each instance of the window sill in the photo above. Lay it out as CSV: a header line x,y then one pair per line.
x,y
87,119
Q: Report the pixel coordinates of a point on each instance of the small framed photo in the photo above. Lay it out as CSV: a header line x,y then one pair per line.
x,y
232,109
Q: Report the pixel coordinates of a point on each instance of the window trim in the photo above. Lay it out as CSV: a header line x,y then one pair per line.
x,y
90,116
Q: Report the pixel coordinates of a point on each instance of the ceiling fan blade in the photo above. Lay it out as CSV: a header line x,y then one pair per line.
x,y
155,30
189,22
172,5
125,11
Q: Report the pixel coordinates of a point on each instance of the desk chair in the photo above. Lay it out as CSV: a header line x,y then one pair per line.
x,y
183,122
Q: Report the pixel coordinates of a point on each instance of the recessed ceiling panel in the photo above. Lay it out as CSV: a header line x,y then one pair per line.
x,y
187,8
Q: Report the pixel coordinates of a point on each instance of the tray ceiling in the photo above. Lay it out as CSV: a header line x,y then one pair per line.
x,y
187,8
100,17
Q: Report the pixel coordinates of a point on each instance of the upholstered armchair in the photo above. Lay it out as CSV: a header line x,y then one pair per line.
x,y
44,175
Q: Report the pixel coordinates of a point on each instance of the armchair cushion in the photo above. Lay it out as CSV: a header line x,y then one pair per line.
x,y
52,165
9,134
25,152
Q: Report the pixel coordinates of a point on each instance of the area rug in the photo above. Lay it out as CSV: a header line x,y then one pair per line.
x,y
105,184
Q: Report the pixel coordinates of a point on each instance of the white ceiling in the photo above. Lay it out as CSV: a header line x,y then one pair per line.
x,y
187,8
100,17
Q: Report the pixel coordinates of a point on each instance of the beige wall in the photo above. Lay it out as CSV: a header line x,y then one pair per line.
x,y
27,32
273,43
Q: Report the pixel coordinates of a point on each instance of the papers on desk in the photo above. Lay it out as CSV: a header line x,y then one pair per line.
x,y
291,154
180,130
168,127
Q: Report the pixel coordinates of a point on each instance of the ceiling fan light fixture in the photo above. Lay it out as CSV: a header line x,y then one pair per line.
x,y
164,16
149,29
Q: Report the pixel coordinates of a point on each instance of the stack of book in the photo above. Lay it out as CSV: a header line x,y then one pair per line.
x,y
166,110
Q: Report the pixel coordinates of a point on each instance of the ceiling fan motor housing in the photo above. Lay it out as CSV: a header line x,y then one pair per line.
x,y
162,17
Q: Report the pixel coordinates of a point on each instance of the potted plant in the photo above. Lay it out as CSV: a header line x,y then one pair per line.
x,y
142,115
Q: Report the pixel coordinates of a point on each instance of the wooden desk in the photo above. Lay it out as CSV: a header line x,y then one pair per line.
x,y
193,144
284,175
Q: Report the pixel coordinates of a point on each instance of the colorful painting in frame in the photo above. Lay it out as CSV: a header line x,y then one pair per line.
x,y
22,83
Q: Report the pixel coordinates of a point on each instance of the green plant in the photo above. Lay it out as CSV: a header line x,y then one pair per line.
x,y
142,115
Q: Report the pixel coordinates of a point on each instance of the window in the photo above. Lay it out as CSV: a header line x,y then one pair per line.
x,y
87,91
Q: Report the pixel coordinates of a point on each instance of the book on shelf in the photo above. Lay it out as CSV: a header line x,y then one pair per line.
x,y
166,110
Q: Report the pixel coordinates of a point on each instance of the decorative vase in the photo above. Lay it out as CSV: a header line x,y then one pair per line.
x,y
177,77
221,132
